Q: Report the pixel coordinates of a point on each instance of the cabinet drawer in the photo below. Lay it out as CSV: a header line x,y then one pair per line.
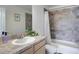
x,y
39,45
28,51
41,51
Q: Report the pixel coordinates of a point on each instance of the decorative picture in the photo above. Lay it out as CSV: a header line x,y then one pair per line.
x,y
17,17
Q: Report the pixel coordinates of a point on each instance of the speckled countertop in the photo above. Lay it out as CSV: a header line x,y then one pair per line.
x,y
9,48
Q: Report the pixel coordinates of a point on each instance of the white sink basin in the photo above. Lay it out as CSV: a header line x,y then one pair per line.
x,y
25,40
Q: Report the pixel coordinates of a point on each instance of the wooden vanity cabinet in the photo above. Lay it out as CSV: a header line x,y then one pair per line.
x,y
28,51
40,51
37,48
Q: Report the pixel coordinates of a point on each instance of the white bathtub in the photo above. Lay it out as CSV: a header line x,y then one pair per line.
x,y
63,47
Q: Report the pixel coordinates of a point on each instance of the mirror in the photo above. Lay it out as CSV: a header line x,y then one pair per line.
x,y
18,18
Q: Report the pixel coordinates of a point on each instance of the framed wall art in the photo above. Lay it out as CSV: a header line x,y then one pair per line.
x,y
17,17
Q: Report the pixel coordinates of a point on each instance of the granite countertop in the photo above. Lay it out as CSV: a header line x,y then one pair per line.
x,y
9,48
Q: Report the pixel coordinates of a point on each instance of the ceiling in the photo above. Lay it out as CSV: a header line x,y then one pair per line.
x,y
28,7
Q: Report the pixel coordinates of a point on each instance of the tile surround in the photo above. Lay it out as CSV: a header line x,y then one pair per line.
x,y
66,25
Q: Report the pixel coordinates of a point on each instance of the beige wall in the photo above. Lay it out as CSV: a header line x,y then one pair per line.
x,y
13,27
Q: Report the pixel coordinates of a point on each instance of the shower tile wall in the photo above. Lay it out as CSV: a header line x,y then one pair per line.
x,y
66,25
52,31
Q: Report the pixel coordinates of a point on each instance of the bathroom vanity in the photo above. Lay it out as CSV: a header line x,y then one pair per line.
x,y
36,47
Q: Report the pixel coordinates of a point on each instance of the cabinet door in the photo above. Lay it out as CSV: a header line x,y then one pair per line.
x,y
28,51
41,51
39,45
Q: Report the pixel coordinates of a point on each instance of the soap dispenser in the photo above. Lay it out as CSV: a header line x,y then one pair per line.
x,y
4,37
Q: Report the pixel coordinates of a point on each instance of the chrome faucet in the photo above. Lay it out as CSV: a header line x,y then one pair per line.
x,y
22,35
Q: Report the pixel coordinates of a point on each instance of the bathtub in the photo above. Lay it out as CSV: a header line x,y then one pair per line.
x,y
61,46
